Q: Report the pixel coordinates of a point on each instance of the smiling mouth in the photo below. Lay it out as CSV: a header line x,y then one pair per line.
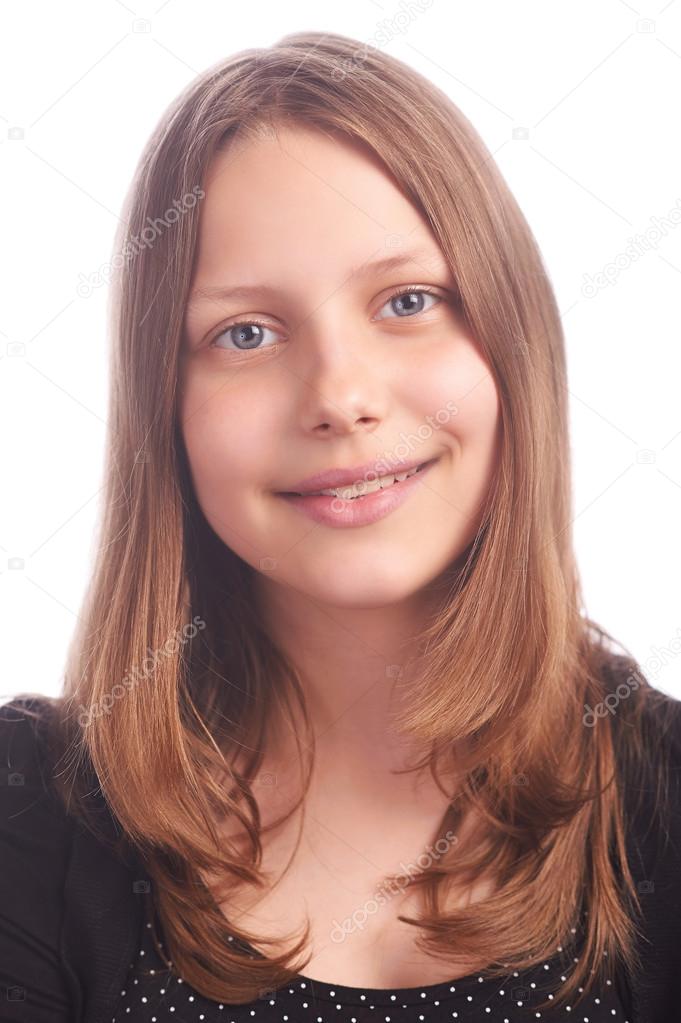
x,y
363,488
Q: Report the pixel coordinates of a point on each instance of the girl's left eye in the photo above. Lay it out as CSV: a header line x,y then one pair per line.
x,y
409,300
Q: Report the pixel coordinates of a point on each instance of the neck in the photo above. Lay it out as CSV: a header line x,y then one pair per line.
x,y
349,662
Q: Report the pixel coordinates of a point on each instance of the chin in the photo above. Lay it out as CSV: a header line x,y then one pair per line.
x,y
354,586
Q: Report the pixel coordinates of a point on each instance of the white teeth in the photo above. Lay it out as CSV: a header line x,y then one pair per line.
x,y
366,486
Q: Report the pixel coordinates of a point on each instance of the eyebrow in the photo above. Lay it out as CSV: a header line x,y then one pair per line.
x,y
384,265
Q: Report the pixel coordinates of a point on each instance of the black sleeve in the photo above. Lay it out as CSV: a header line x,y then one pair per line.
x,y
35,842
654,849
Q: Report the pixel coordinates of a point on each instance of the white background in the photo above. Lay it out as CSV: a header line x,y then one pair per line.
x,y
597,86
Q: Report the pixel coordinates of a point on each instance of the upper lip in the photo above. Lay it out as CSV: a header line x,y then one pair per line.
x,y
333,478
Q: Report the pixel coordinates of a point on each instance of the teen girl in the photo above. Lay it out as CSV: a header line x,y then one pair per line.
x,y
336,740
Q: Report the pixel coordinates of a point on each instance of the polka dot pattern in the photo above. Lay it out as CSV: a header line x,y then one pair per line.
x,y
152,993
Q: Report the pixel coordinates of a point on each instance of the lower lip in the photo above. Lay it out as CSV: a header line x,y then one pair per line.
x,y
359,511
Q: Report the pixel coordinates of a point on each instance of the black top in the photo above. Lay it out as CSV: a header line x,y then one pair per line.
x,y
75,944
150,992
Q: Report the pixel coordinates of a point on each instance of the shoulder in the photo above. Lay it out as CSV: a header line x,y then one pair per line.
x,y
27,800
35,843
647,734
646,730
641,716
70,912
27,796
22,723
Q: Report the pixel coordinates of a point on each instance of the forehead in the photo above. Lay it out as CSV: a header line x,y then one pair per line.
x,y
301,199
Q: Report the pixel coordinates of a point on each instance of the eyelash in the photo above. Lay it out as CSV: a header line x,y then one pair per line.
x,y
401,290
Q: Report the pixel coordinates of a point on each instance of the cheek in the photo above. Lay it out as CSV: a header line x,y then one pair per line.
x,y
471,429
457,392
226,432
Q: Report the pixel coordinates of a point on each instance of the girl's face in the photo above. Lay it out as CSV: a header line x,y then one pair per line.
x,y
322,360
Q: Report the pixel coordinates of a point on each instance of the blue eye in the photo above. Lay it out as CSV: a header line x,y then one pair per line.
x,y
407,309
245,338
242,335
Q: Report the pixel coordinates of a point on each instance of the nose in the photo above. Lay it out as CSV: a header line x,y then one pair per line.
x,y
342,389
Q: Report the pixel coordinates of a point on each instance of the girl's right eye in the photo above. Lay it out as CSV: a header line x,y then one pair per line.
x,y
242,336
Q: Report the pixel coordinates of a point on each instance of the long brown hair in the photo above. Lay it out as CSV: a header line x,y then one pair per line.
x,y
511,658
